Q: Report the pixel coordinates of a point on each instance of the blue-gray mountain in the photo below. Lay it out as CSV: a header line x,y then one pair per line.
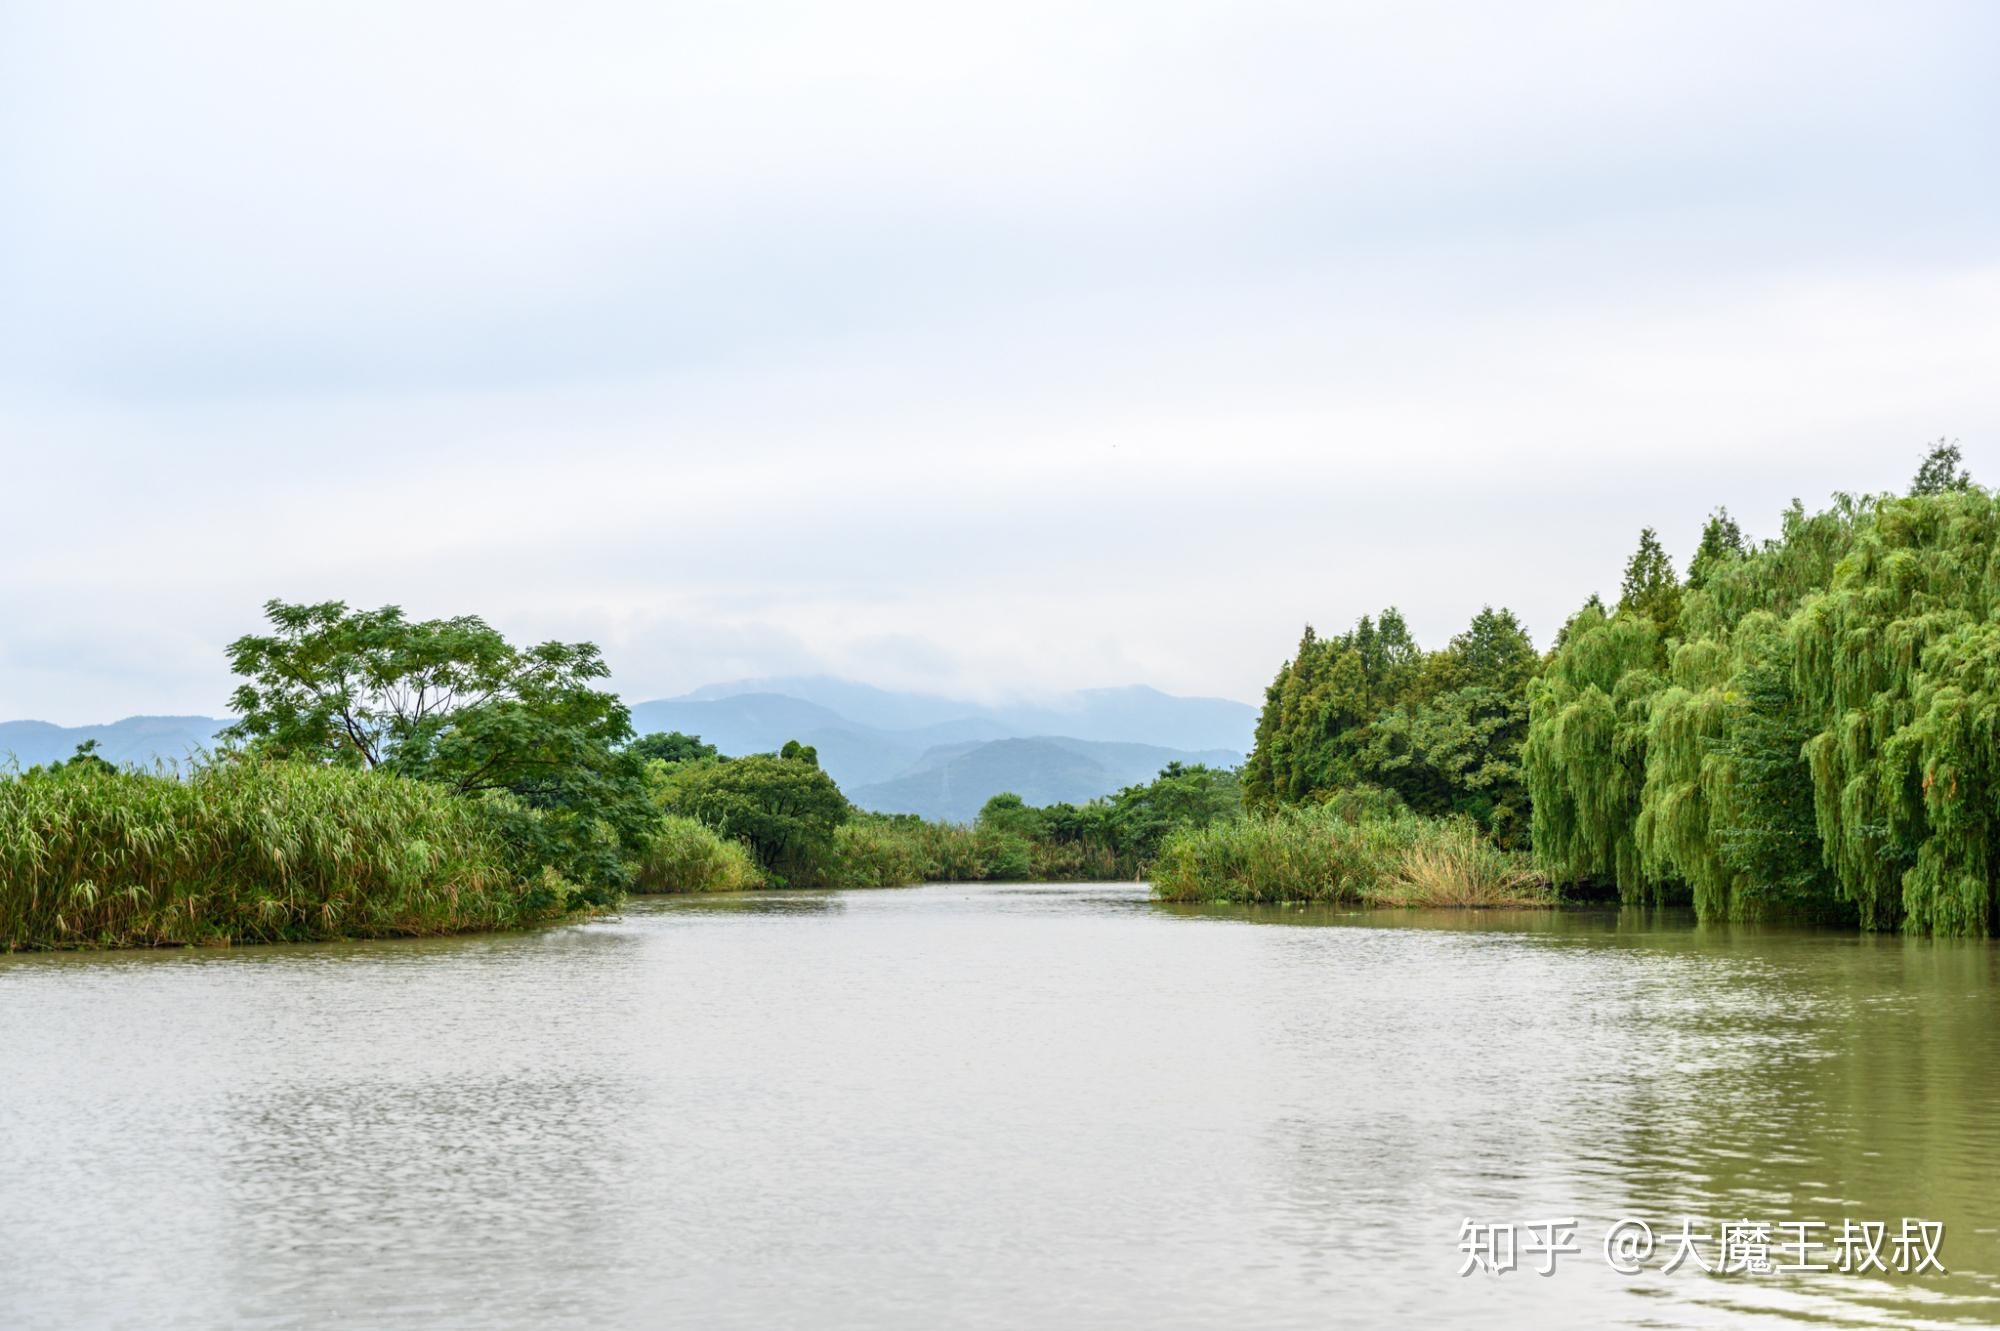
x,y
943,758
953,780
142,740
895,752
1133,714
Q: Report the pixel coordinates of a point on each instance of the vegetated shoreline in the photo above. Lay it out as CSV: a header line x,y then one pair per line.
x,y
250,852
1804,729
1330,854
253,848
1800,729
246,851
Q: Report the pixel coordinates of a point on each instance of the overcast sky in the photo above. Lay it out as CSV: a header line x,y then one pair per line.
x,y
974,348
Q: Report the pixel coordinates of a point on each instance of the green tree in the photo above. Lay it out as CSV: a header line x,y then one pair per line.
x,y
1821,739
86,758
1584,757
1182,795
1766,829
1941,471
1467,734
672,747
1721,541
1649,587
1314,734
453,702
1008,813
1440,732
784,809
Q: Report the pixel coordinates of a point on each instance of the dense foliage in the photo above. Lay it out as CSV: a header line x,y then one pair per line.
x,y
451,701
1440,730
780,805
803,833
1805,727
683,855
391,776
1814,731
256,851
1115,837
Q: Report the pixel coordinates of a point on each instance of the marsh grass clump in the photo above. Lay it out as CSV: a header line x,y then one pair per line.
x,y
880,852
1321,853
898,850
683,855
1453,865
258,852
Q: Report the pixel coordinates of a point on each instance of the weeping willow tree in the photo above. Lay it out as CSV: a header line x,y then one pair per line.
x,y
1688,775
1897,658
1585,752
1727,806
1807,726
1816,732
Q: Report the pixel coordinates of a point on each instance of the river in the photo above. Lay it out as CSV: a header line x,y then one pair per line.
x,y
993,1106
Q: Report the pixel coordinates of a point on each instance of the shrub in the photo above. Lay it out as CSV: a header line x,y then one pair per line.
x,y
876,852
682,855
784,808
1004,857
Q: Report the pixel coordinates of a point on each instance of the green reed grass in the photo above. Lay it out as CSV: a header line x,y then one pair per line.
x,y
254,852
683,855
893,852
1323,854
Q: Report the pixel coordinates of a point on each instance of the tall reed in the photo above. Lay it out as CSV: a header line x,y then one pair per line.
x,y
1323,854
255,852
683,855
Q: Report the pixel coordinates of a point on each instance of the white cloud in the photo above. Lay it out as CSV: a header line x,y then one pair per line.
x,y
971,349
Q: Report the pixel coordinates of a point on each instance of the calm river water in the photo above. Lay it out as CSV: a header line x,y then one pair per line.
x,y
989,1106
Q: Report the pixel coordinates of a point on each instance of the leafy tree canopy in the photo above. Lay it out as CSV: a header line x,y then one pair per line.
x,y
1183,795
1440,731
1649,587
1818,741
1009,813
86,758
784,809
1941,471
449,701
672,747
1721,541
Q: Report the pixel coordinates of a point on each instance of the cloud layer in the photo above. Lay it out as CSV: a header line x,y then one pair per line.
x,y
981,349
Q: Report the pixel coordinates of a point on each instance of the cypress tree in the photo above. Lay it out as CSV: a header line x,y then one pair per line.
x,y
1721,542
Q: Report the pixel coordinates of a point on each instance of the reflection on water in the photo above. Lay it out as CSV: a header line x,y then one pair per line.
x,y
987,1106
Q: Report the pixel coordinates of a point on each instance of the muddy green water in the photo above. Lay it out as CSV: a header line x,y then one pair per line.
x,y
989,1107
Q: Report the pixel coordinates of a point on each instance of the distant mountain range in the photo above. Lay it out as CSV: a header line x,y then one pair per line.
x,y
1133,714
943,757
893,752
143,740
953,780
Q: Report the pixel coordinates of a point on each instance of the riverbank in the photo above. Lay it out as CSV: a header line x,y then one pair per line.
x,y
245,851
